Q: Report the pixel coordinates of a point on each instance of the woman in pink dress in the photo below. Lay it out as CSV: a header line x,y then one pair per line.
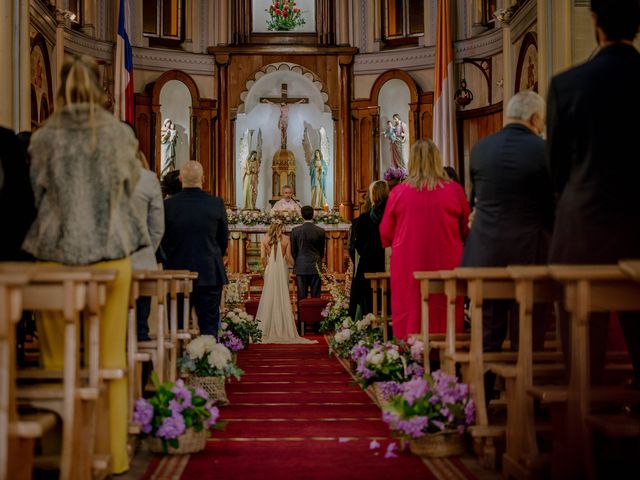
x,y
425,223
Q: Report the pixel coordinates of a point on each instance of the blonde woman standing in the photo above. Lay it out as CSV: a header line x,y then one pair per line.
x,y
84,170
425,222
274,311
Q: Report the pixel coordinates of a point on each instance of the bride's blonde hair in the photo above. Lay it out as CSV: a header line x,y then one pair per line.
x,y
274,232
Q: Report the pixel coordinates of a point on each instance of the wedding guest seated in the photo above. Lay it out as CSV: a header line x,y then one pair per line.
x,y
425,224
365,241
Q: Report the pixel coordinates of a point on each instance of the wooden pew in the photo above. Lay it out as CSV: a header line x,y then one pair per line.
x,y
380,282
532,285
156,284
442,282
16,438
588,289
69,291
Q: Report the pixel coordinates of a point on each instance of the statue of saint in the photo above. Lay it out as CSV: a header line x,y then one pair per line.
x,y
397,133
316,151
168,139
318,171
250,181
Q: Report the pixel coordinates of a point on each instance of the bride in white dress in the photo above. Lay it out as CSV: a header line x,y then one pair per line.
x,y
274,311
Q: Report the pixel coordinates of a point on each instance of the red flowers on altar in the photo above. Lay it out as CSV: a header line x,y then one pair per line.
x,y
284,16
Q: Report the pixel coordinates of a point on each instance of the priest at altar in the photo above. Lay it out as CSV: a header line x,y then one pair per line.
x,y
286,203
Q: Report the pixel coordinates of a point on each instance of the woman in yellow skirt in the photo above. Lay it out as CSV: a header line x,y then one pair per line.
x,y
84,169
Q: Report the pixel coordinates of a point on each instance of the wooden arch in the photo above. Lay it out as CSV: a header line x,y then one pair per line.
x,y
148,122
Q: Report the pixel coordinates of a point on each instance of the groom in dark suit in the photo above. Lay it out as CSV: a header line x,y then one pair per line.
x,y
307,249
195,238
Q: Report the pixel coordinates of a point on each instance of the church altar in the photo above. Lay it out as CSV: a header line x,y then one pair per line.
x,y
243,252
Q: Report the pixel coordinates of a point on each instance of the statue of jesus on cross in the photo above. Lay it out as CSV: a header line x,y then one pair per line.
x,y
284,101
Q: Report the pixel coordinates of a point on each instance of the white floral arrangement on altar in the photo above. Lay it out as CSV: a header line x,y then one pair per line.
x,y
257,217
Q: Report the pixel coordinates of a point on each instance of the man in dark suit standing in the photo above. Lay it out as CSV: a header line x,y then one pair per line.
x,y
513,211
195,238
307,249
593,132
17,205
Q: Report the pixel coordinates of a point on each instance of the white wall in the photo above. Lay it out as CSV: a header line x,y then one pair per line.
x,y
264,116
175,103
394,97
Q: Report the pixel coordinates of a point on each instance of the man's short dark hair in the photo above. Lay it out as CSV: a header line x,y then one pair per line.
x,y
619,20
307,212
171,183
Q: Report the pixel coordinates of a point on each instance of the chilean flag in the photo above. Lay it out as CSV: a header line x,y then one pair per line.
x,y
124,68
444,110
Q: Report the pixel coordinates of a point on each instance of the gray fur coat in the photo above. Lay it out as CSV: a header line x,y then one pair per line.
x,y
84,194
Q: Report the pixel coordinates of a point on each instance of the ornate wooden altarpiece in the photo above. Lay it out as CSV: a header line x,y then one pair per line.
x,y
315,53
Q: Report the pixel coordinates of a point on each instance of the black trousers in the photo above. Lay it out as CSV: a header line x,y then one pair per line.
x,y
502,316
598,334
306,283
143,308
206,301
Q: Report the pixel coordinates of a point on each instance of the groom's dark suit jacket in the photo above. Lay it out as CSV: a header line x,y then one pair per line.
x,y
307,248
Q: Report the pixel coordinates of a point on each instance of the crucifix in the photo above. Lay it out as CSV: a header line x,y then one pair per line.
x,y
284,101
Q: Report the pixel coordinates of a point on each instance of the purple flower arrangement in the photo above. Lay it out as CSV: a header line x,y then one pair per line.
x,y
232,342
173,409
385,362
397,174
430,404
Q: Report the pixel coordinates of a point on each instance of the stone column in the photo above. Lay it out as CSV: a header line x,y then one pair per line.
x,y
543,47
508,65
343,18
24,85
89,20
223,23
6,64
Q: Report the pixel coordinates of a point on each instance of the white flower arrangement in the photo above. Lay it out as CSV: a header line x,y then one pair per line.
x,y
365,322
342,336
205,357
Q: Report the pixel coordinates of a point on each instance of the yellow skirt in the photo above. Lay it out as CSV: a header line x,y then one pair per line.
x,y
113,338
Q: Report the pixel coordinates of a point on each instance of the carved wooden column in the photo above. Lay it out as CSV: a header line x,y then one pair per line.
x,y
346,197
223,170
203,140
425,114
366,158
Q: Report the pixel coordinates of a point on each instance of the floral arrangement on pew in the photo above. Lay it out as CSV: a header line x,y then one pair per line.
x,y
337,310
433,411
236,290
209,364
177,418
284,15
238,324
350,333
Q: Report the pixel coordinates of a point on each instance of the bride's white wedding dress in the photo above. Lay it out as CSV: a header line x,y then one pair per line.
x,y
274,311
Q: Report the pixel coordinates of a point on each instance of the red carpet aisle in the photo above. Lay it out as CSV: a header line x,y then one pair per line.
x,y
297,415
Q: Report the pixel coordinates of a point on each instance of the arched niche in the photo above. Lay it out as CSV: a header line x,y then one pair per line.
x,y
41,81
176,94
254,115
367,126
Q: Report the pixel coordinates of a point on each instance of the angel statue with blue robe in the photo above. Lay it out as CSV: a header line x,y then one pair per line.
x,y
318,166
